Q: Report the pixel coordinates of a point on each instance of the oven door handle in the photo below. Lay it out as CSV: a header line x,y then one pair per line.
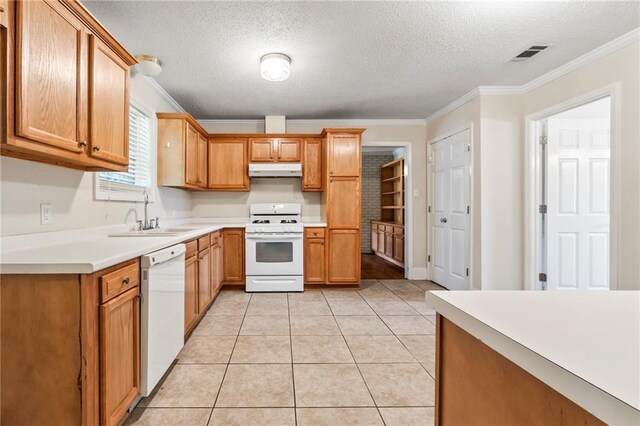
x,y
274,237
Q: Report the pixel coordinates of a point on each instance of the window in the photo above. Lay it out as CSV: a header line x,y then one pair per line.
x,y
131,185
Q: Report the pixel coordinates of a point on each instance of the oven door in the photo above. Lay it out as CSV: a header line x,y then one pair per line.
x,y
274,255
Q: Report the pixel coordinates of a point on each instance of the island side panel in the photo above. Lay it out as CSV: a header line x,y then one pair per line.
x,y
41,357
475,385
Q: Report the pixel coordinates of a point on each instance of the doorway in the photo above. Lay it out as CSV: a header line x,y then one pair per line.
x,y
386,226
449,211
575,198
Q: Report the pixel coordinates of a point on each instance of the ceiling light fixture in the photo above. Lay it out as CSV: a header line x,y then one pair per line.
x,y
148,65
275,67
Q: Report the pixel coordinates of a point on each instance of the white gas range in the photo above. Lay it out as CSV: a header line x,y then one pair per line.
x,y
274,256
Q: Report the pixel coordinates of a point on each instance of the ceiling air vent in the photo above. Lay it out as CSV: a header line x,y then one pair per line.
x,y
529,53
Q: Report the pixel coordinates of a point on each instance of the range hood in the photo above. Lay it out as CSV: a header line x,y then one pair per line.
x,y
275,170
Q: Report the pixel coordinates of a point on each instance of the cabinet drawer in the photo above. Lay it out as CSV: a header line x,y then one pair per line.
x,y
398,230
204,242
314,232
191,248
388,229
214,238
119,281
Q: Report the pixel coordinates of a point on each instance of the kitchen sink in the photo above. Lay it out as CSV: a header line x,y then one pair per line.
x,y
159,232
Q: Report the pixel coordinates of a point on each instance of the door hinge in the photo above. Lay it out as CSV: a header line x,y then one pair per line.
x,y
542,277
467,271
429,209
467,209
468,147
542,208
429,258
543,140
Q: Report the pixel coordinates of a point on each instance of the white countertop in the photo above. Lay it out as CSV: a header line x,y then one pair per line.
x,y
84,251
585,345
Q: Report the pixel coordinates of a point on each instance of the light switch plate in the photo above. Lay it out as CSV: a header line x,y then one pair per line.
x,y
45,214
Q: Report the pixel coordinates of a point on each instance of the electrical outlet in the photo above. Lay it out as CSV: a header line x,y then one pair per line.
x,y
45,214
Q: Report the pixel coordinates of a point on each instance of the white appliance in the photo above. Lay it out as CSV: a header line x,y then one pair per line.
x,y
162,313
273,251
275,170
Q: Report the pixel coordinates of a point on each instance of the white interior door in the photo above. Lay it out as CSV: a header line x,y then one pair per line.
x,y
449,214
577,197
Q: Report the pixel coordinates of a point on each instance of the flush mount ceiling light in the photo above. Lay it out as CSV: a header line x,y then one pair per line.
x,y
148,65
275,67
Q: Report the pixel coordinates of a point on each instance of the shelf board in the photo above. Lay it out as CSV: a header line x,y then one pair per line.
x,y
392,192
392,178
393,207
393,163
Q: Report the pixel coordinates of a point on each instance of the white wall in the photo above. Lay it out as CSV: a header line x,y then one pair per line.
x,y
24,185
209,203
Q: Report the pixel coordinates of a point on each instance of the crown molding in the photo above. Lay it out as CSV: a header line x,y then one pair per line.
x,y
167,97
580,62
328,122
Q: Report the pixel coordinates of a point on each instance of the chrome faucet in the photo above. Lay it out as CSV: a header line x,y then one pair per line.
x,y
147,224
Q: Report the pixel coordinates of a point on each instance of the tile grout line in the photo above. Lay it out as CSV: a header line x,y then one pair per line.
x,y
229,360
293,376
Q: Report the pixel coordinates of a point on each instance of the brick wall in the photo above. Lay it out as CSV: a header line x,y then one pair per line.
x,y
371,195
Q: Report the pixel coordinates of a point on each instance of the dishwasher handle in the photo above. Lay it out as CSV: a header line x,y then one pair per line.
x,y
162,256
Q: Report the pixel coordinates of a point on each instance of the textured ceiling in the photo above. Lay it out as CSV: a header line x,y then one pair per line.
x,y
353,59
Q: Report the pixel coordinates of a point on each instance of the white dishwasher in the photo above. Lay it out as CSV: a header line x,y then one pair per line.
x,y
162,313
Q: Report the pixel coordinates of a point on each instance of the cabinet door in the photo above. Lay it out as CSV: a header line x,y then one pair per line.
x,y
228,168
49,75
381,236
204,279
202,161
3,13
314,260
190,292
398,248
374,238
119,355
108,104
214,265
388,244
233,254
344,202
191,175
344,155
289,150
220,260
262,150
344,256
312,165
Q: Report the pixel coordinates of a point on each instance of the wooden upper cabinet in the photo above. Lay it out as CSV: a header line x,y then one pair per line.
x,y
312,165
119,355
228,167
344,256
49,75
182,152
289,150
108,104
191,156
202,161
344,155
66,87
344,203
262,150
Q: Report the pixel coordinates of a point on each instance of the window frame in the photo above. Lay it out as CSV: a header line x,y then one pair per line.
x,y
135,196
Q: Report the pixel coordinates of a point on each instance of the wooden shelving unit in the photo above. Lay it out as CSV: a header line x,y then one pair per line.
x,y
392,188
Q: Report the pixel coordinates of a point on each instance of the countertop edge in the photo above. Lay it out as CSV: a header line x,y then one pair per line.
x,y
601,404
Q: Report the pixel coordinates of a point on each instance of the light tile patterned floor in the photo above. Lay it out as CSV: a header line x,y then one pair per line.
x,y
361,356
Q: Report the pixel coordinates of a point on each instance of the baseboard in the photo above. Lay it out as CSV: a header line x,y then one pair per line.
x,y
418,274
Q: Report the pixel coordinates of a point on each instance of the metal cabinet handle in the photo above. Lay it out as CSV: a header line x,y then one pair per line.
x,y
96,148
443,220
125,281
83,144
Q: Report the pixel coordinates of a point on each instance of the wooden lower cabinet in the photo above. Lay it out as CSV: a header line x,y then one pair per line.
x,y
71,354
233,256
204,279
190,293
387,241
216,264
388,244
343,258
119,355
314,258
398,248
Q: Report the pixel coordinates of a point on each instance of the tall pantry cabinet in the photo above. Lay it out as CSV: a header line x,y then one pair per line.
x,y
342,204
